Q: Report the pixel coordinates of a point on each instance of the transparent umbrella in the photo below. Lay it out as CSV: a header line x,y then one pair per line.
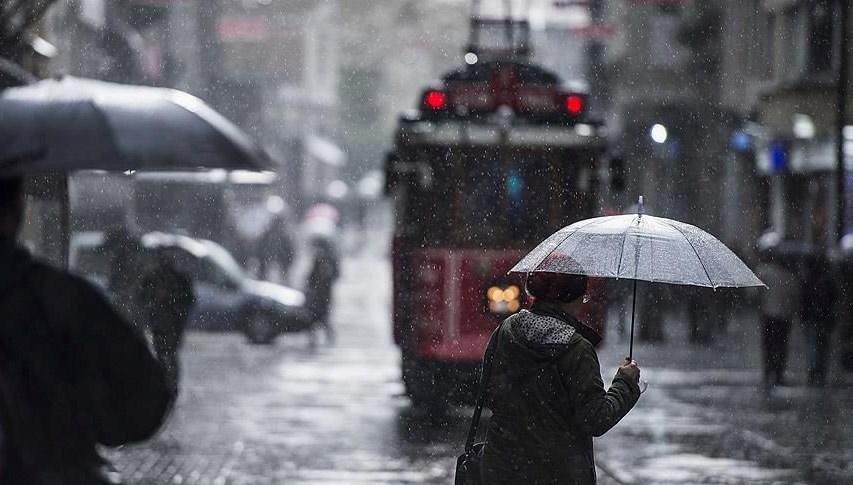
x,y
639,247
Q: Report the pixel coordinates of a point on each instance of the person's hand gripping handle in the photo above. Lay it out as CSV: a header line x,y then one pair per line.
x,y
630,369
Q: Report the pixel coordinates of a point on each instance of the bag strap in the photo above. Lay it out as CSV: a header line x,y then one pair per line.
x,y
488,358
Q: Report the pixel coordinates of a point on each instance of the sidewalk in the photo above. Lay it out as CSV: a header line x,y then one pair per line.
x,y
706,418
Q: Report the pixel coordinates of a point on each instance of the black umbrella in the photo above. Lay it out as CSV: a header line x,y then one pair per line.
x,y
68,124
71,123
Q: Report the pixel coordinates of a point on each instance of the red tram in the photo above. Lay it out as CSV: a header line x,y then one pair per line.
x,y
497,156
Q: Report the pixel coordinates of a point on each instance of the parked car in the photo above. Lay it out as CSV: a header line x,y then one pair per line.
x,y
227,298
88,257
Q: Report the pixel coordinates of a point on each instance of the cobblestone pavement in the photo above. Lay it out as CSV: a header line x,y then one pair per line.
x,y
287,414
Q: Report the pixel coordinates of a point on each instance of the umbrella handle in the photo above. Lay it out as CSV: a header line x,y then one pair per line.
x,y
633,314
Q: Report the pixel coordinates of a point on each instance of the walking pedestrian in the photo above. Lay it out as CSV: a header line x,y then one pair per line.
x,y
124,251
324,271
545,391
817,311
779,306
73,373
276,250
167,298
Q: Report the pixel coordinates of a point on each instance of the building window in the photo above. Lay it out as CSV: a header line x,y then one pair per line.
x,y
807,36
793,40
663,47
821,36
761,43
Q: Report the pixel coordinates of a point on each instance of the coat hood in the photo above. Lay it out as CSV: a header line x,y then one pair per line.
x,y
544,307
13,264
545,332
541,336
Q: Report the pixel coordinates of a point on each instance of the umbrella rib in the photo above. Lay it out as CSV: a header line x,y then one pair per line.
x,y
622,253
708,275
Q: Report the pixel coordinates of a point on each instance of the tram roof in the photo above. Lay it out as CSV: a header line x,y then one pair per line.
x,y
526,73
462,133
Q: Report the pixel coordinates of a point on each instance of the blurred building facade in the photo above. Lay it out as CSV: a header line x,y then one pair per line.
x,y
271,67
801,94
747,94
669,115
796,90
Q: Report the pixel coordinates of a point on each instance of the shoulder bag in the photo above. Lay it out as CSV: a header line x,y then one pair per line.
x,y
468,463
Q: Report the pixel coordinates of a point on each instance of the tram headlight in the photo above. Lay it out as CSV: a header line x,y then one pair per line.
x,y
503,300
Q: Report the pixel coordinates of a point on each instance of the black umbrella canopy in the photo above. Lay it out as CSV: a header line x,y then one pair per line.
x,y
72,123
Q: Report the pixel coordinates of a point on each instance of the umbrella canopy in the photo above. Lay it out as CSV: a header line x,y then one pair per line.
x,y
73,124
639,247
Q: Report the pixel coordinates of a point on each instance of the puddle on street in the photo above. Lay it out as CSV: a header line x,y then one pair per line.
x,y
696,468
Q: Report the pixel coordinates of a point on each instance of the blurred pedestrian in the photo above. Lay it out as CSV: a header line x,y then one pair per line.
x,y
73,373
123,250
325,269
276,250
817,311
167,300
779,306
545,390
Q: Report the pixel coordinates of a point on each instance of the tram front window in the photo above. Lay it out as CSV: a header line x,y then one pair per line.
x,y
527,191
491,199
481,208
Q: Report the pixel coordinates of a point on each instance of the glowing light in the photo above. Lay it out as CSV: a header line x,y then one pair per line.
x,y
803,126
471,58
513,306
574,104
436,99
659,133
337,189
275,204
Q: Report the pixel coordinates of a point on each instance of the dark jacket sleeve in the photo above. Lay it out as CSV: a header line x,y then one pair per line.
x,y
595,411
124,387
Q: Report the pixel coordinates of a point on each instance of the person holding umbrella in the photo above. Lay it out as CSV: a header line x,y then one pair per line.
x,y
73,373
546,394
545,390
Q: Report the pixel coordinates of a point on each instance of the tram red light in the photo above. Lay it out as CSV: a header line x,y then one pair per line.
x,y
574,104
435,99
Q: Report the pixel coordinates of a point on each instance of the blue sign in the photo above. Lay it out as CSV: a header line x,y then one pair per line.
x,y
741,141
778,156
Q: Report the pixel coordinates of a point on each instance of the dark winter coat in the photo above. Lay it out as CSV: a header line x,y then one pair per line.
x,y
167,299
73,374
548,401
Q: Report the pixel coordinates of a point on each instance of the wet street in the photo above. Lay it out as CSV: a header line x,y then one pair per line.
x,y
290,414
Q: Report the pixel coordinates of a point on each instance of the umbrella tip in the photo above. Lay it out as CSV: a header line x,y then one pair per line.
x,y
640,206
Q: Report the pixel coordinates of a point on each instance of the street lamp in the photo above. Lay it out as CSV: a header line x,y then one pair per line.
x,y
658,133
803,126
